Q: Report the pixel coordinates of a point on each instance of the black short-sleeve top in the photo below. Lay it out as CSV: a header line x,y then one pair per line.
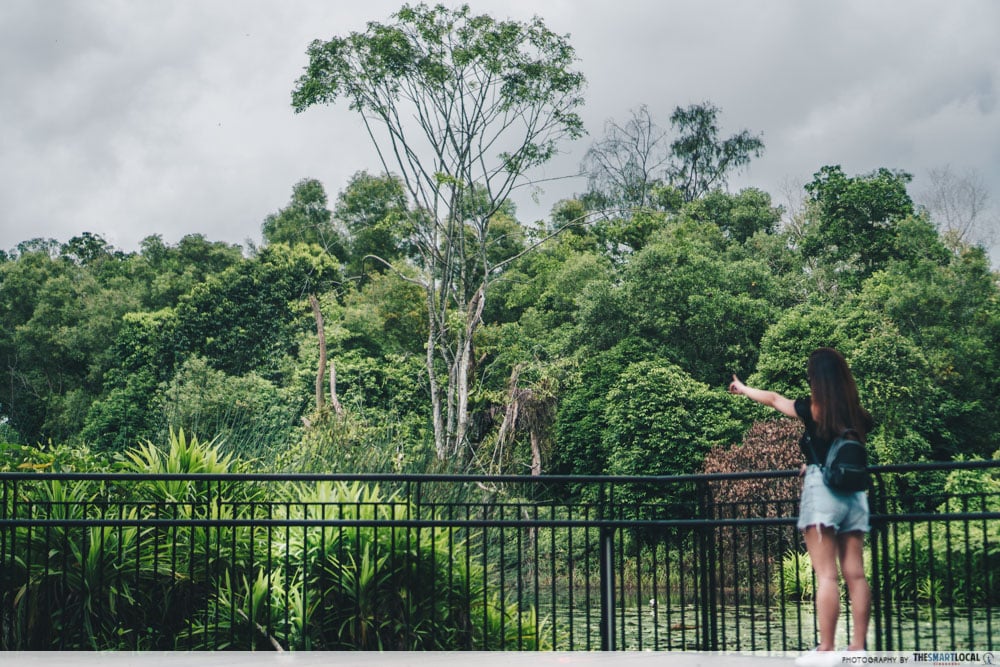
x,y
803,408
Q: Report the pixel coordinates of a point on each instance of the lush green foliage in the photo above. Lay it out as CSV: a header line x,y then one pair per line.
x,y
306,219
166,587
104,349
934,568
443,314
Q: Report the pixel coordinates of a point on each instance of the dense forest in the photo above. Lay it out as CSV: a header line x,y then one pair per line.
x,y
415,323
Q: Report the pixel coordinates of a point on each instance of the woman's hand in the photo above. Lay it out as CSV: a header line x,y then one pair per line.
x,y
736,387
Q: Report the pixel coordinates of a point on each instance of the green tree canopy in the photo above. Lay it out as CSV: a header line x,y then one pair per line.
x,y
702,307
374,211
306,219
59,314
660,421
856,217
739,216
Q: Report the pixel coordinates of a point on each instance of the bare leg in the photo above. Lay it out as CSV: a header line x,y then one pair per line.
x,y
821,543
852,565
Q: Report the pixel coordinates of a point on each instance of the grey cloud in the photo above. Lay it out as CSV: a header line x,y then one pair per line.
x,y
127,119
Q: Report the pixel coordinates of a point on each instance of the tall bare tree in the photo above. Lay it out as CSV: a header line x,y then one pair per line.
x,y
959,204
624,166
462,106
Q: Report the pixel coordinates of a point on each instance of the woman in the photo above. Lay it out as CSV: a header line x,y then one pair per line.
x,y
832,524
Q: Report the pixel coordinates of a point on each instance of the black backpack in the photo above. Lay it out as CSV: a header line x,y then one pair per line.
x,y
846,467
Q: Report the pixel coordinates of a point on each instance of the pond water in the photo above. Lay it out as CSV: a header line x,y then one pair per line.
x,y
772,628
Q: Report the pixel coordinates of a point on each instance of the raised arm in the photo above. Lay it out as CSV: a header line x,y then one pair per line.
x,y
785,406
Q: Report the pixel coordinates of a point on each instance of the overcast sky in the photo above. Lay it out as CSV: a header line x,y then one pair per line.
x,y
171,117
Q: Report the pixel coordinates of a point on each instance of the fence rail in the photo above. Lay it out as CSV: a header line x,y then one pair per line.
x,y
309,562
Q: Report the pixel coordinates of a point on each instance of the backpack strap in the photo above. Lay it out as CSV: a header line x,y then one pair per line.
x,y
812,450
843,434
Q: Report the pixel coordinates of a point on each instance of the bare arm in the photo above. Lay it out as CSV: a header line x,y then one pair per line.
x,y
773,399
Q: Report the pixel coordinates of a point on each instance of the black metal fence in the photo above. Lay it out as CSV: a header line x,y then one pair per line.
x,y
335,562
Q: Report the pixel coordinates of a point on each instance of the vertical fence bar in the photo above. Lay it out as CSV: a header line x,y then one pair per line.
x,y
519,576
968,573
587,551
620,587
467,542
192,578
931,581
653,588
287,578
706,575
29,563
6,571
176,508
988,576
570,579
63,551
607,567
269,569
553,575
638,595
668,592
950,579
879,547
914,613
734,575
358,555
485,546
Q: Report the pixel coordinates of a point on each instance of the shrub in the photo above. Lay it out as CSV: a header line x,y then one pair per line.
x,y
941,563
794,580
117,587
770,445
67,587
369,587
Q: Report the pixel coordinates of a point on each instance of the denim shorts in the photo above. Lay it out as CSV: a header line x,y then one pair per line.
x,y
819,505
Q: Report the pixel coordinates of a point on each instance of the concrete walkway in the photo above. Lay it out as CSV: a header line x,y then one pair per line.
x,y
392,659
483,659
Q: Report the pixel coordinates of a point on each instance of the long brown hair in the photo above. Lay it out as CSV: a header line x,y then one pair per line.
x,y
835,395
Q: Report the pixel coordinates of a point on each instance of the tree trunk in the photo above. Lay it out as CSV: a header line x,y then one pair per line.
x,y
536,452
440,445
463,363
338,409
321,335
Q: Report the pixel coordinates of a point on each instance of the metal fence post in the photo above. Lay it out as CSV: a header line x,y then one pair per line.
x,y
881,585
706,563
607,556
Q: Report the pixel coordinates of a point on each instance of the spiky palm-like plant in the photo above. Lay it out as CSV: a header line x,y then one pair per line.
x,y
76,586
